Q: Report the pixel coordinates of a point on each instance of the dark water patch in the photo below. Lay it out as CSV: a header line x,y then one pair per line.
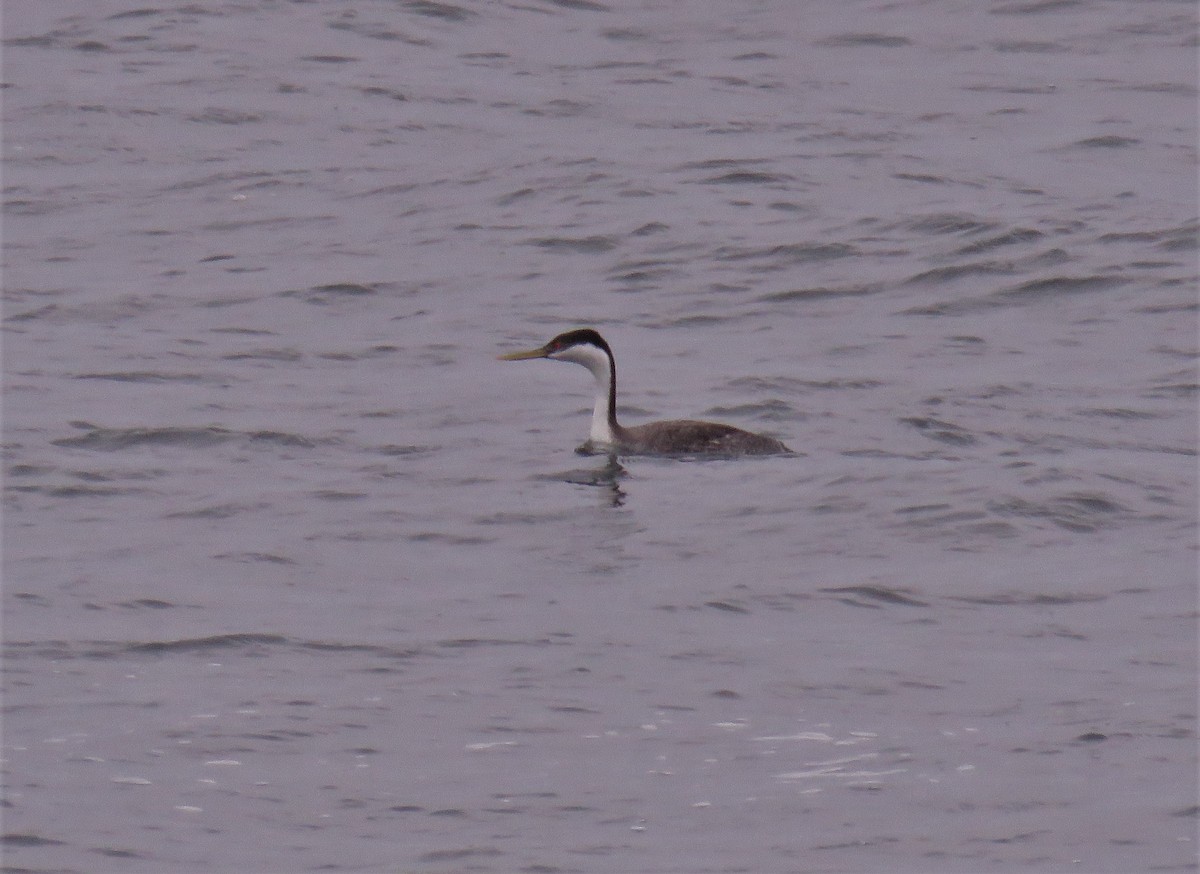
x,y
32,599
325,294
748,177
287,355
378,91
1123,413
865,596
116,439
575,245
222,115
1156,265
1025,599
247,557
1020,838
31,315
937,224
377,30
839,504
29,470
449,539
214,180
1185,238
1036,7
15,839
462,855
1015,89
274,735
1181,385
559,108
337,495
966,343
784,602
736,171
246,641
789,254
145,376
1082,513
927,178
1034,291
115,853
361,355
340,59
215,511
943,432
727,606
1009,238
444,11
250,643
638,279
650,228
774,410
147,604
376,650
801,295
579,5
730,165
80,491
43,41
949,273
643,271
513,196
278,438
869,40
134,13
396,451
625,34
487,642
796,385
1154,236
1054,443
924,508
1028,46
960,521
1109,141
694,321
1182,89
990,529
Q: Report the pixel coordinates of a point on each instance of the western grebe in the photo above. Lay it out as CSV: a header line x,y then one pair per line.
x,y
677,437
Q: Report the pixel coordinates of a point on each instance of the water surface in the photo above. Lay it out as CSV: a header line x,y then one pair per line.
x,y
298,577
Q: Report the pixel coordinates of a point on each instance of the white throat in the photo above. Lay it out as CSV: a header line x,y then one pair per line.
x,y
601,368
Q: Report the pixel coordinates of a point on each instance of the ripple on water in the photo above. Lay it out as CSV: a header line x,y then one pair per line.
x,y
103,439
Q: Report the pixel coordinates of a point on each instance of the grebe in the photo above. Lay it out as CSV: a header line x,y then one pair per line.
x,y
676,437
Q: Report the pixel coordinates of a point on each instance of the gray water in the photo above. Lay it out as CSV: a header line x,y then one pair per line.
x,y
298,577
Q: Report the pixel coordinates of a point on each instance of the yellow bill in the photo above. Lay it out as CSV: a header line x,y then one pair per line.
x,y
540,352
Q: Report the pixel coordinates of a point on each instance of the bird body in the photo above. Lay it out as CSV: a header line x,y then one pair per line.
x,y
687,437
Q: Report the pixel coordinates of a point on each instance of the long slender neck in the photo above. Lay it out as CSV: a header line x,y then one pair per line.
x,y
604,370
604,413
